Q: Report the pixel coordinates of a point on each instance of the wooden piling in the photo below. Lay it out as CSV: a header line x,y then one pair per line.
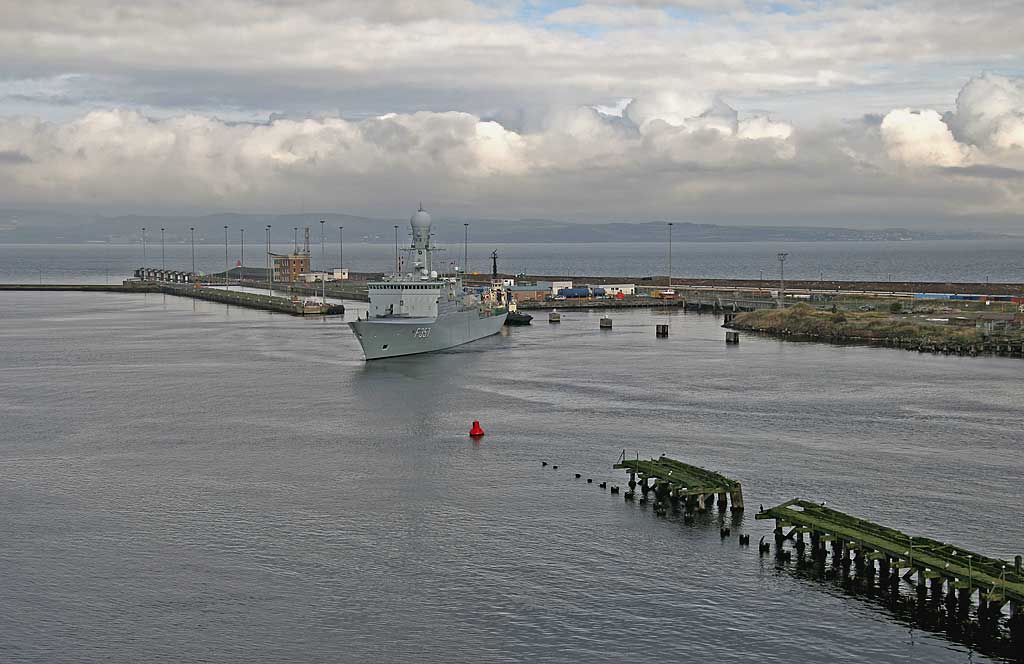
x,y
606,323
661,331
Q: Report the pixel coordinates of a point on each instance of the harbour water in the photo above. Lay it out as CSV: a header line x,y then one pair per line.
x,y
186,481
942,261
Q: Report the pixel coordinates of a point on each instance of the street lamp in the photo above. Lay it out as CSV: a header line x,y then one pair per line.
x,y
192,229
782,278
270,267
323,262
143,251
241,259
465,253
396,248
225,258
341,250
296,239
163,261
670,255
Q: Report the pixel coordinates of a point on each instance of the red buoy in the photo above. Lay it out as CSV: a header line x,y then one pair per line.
x,y
477,430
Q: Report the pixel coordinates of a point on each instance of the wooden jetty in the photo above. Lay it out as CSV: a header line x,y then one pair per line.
x,y
944,566
675,481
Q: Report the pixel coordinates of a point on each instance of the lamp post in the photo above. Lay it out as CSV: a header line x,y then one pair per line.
x,y
465,252
670,255
143,251
323,262
192,230
241,259
163,258
296,239
270,267
341,250
396,248
225,258
782,277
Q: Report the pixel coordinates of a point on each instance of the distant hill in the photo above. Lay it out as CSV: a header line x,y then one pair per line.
x,y
21,226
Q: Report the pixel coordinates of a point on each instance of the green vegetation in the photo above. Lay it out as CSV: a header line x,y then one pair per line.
x,y
804,320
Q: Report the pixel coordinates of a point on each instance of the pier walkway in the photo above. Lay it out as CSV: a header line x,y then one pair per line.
x,y
997,581
675,480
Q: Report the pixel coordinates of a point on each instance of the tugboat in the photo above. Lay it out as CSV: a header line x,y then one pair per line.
x,y
421,311
516,317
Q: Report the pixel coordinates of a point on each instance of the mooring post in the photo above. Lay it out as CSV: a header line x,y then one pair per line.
x,y
722,502
700,502
737,498
1017,625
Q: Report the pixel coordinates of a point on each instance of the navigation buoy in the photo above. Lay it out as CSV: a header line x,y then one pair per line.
x,y
476,431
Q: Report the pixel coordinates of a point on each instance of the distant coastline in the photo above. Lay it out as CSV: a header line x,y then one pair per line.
x,y
40,227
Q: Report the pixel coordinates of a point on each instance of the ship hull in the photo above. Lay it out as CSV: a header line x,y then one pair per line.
x,y
393,337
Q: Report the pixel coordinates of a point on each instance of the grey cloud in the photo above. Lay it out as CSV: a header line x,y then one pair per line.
x,y
663,159
14,157
986,172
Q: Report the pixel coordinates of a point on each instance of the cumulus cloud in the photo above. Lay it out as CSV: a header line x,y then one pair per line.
x,y
673,153
990,112
921,138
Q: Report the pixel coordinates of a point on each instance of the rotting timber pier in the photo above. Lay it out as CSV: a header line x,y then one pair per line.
x,y
956,570
674,481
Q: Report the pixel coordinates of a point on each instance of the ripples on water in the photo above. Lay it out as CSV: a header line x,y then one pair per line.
x,y
186,481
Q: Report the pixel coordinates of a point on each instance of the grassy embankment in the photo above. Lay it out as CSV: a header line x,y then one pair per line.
x,y
805,321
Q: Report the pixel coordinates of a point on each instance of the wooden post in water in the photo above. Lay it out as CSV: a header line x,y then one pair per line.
x,y
737,497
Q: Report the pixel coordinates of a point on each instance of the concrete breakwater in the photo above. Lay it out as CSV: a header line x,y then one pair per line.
x,y
238,298
253,300
84,288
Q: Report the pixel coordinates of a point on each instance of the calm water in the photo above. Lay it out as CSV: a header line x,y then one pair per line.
x,y
997,260
185,481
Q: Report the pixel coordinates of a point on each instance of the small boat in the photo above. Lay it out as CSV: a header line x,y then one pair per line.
x,y
516,317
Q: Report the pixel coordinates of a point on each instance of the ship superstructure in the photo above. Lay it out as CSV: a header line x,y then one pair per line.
x,y
420,311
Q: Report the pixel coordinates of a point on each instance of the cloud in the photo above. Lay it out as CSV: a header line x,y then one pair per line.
x,y
921,138
603,15
245,59
990,112
675,153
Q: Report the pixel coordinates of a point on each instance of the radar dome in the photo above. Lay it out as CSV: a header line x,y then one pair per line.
x,y
420,219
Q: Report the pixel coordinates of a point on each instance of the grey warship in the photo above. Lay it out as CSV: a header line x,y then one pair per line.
x,y
420,311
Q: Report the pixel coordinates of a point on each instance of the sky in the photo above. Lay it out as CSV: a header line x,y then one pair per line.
x,y
806,112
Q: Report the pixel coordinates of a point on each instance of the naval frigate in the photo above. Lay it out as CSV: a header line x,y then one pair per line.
x,y
420,311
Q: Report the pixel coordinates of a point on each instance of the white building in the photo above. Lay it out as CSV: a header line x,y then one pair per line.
x,y
337,274
554,286
615,289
